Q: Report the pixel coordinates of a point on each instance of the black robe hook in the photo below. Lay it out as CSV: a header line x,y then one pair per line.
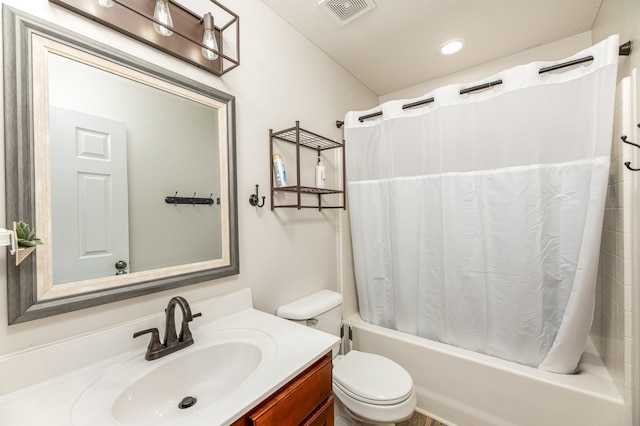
x,y
253,199
628,163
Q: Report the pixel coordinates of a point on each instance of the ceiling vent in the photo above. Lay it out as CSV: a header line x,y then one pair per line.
x,y
345,11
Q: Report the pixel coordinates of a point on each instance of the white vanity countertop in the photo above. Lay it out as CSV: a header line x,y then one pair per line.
x,y
51,402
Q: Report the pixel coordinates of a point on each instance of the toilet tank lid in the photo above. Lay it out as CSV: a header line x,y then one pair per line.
x,y
310,306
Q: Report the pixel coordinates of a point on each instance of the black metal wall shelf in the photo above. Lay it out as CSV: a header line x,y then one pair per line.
x,y
305,139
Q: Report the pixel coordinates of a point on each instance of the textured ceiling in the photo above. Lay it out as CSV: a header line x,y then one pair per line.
x,y
396,45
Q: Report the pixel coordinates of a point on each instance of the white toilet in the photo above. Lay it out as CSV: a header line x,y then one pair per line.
x,y
370,388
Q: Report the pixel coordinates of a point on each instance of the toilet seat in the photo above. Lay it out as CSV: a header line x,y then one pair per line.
x,y
370,413
372,379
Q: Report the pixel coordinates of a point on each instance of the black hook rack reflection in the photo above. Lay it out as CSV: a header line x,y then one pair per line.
x,y
628,163
253,199
175,200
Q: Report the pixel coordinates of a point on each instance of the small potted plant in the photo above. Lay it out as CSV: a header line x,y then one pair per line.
x,y
25,236
26,239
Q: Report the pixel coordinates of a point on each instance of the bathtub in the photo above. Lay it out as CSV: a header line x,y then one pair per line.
x,y
463,388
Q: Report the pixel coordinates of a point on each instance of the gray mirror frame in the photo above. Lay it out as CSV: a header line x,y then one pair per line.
x,y
23,305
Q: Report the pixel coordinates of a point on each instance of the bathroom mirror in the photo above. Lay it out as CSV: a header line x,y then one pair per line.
x,y
111,159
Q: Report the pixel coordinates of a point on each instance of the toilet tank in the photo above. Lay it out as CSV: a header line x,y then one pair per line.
x,y
321,310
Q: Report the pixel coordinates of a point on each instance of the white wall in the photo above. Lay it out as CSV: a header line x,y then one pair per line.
x,y
283,254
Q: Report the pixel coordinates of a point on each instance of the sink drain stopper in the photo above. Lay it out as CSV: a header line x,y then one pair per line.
x,y
187,401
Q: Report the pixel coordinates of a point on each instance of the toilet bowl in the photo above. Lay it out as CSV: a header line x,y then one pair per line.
x,y
370,388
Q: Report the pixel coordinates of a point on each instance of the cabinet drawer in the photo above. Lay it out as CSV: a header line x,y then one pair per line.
x,y
298,399
323,416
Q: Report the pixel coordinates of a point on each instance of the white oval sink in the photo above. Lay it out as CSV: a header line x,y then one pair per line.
x,y
139,392
205,375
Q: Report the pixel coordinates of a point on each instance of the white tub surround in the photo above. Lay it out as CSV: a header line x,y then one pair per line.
x,y
461,387
56,377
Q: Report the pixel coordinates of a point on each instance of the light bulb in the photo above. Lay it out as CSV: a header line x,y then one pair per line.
x,y
105,3
209,38
161,13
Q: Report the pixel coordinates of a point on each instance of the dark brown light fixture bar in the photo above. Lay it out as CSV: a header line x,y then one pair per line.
x,y
135,18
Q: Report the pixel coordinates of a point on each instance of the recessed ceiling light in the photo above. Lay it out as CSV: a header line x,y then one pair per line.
x,y
451,46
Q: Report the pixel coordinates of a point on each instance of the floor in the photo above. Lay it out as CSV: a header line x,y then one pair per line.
x,y
420,420
343,419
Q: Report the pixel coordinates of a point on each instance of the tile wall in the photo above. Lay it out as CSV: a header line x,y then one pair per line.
x,y
612,325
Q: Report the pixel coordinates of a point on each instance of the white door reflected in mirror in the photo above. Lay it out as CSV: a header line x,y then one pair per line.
x,y
89,195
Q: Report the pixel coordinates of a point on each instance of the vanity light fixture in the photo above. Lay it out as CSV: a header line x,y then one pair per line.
x,y
452,46
179,31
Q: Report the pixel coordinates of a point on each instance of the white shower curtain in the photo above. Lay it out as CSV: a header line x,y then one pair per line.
x,y
476,219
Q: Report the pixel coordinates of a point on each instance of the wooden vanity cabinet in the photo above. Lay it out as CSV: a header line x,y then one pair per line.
x,y
306,400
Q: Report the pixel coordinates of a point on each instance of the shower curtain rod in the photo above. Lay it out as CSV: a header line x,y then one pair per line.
x,y
623,50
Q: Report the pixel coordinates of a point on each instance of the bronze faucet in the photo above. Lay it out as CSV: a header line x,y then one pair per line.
x,y
172,341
